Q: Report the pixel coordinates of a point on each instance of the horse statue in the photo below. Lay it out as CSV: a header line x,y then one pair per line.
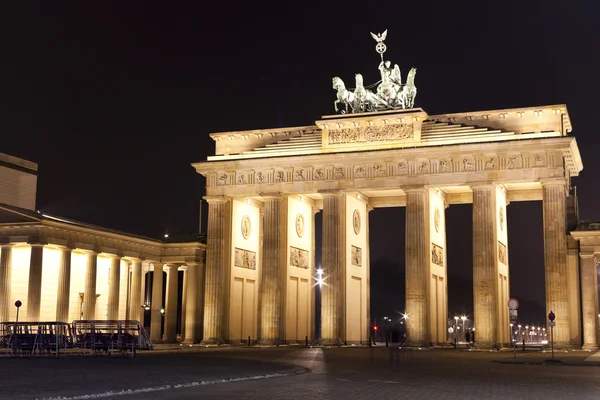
x,y
364,100
344,96
407,95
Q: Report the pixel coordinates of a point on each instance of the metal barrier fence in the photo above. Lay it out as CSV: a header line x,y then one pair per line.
x,y
50,338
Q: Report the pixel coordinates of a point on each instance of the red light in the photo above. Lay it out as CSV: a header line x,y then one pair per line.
x,y
375,328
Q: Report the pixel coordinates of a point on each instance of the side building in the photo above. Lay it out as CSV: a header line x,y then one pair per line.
x,y
63,270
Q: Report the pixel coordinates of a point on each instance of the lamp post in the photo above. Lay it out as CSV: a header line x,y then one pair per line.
x,y
464,318
455,330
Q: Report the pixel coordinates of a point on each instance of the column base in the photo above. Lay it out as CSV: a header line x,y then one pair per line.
x,y
213,341
332,342
590,347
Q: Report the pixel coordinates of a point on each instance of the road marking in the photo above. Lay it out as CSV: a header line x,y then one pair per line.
x,y
128,392
343,380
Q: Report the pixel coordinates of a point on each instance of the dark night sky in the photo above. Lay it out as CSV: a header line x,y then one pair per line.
x,y
114,101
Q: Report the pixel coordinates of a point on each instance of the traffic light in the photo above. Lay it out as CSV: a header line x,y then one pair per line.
x,y
375,328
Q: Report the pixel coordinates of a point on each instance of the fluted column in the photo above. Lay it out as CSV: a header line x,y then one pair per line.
x,y
270,291
333,266
417,257
135,299
5,282
89,291
485,265
157,303
34,290
171,304
589,301
555,258
193,304
217,270
64,286
114,284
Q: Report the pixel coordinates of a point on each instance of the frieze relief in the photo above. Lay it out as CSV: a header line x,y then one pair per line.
x,y
467,164
423,167
491,162
514,161
445,166
366,134
245,259
538,160
356,256
298,257
359,171
437,255
379,170
402,168
502,253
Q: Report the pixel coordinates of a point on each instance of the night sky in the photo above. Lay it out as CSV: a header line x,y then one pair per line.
x,y
114,101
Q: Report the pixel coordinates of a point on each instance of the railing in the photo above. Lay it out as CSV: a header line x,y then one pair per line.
x,y
49,338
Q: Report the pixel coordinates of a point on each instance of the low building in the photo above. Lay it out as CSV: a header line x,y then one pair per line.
x,y
63,270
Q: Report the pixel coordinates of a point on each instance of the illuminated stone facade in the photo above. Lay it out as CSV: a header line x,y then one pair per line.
x,y
63,270
348,165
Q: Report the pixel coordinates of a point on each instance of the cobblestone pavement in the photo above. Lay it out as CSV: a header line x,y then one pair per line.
x,y
346,373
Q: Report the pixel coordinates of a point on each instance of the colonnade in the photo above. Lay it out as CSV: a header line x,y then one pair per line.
x,y
426,268
131,293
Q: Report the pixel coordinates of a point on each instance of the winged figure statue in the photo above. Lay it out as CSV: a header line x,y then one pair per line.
x,y
380,37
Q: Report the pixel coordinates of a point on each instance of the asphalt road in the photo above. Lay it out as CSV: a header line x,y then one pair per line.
x,y
346,373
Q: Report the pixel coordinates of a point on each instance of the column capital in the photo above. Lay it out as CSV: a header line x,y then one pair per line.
x,y
586,254
554,182
37,244
414,188
272,196
483,186
216,199
331,193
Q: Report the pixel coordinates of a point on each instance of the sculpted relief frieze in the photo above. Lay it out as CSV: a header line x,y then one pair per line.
x,y
245,259
298,257
385,133
389,168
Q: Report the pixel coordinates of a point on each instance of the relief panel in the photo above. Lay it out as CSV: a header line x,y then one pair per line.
x,y
245,259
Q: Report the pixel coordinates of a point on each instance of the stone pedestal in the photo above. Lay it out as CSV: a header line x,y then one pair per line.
x,y
589,301
157,303
89,291
135,299
171,304
332,291
273,267
555,258
64,286
217,266
34,290
5,282
193,304
114,283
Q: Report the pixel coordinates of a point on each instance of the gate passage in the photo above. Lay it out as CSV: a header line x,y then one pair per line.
x,y
50,338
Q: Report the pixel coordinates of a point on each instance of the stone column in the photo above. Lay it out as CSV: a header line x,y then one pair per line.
x,y
589,301
89,291
5,282
368,272
184,297
193,304
417,257
135,299
555,258
64,286
485,266
114,284
273,252
333,266
34,290
171,305
157,303
217,270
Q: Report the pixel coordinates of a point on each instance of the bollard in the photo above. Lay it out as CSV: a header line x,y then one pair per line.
x,y
248,340
370,341
306,341
523,344
386,341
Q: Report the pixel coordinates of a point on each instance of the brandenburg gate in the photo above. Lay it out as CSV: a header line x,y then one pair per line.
x,y
263,188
